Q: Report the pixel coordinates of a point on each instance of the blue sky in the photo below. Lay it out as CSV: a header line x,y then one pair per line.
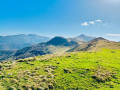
x,y
68,18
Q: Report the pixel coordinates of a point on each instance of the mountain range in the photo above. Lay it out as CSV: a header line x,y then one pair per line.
x,y
55,45
15,42
58,45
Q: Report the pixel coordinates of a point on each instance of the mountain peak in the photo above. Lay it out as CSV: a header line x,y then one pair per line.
x,y
99,38
57,41
84,37
32,35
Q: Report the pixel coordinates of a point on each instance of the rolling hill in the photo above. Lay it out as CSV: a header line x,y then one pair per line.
x,y
15,42
68,71
96,45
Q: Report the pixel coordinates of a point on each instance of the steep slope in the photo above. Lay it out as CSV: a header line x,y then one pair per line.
x,y
70,71
57,41
55,45
35,50
5,54
14,42
97,44
83,37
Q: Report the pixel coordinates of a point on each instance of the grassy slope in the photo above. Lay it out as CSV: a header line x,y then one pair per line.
x,y
104,44
57,49
97,45
83,70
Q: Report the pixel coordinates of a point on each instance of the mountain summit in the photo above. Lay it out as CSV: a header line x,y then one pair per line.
x,y
83,37
97,44
57,41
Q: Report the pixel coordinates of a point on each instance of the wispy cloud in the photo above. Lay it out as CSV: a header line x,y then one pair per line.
x,y
91,22
113,34
98,20
85,24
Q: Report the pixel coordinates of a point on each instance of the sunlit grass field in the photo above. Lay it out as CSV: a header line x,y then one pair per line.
x,y
70,71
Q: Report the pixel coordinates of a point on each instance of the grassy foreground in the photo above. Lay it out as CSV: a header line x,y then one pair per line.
x,y
71,71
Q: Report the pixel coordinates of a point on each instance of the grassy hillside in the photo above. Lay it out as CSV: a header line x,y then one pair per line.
x,y
58,49
78,70
97,44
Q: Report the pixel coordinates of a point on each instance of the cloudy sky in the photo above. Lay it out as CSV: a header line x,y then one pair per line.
x,y
68,18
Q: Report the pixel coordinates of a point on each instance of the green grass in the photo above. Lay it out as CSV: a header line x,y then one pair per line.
x,y
58,49
78,70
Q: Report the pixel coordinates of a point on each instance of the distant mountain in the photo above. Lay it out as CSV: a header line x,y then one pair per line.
x,y
60,41
83,37
5,54
15,42
57,41
97,44
55,45
58,45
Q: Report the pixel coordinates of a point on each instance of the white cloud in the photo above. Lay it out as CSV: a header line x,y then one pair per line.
x,y
113,34
98,20
85,24
91,22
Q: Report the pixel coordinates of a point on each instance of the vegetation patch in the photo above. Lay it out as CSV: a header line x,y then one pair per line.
x,y
102,75
71,71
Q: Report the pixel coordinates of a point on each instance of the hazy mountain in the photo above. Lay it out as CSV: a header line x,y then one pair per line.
x,y
55,45
83,37
58,45
14,42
